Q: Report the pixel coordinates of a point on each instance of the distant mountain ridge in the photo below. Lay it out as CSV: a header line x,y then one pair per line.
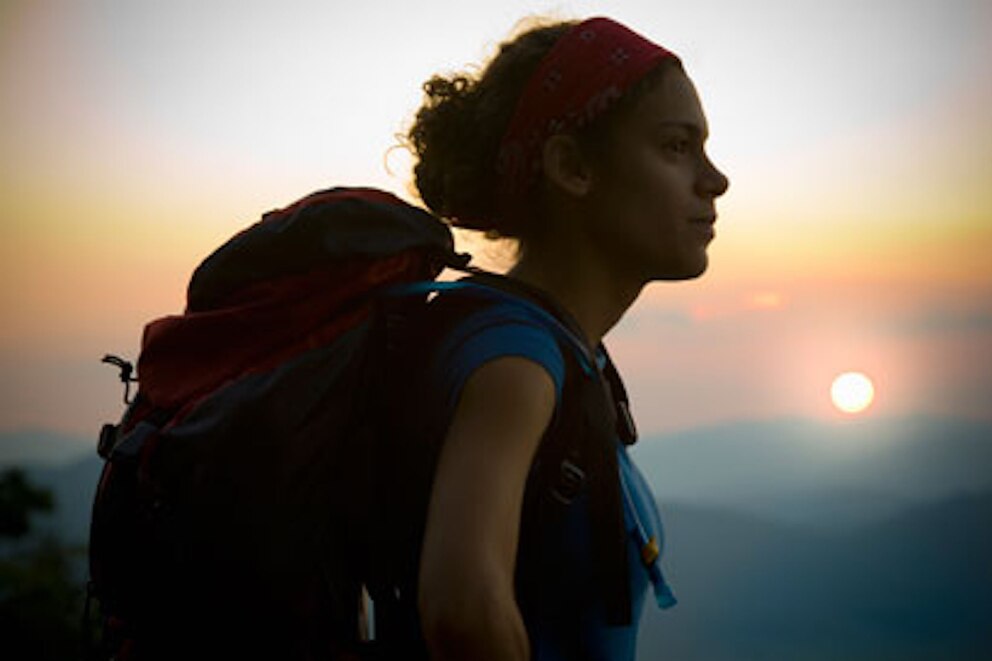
x,y
73,487
784,540
826,474
909,456
40,447
829,476
916,587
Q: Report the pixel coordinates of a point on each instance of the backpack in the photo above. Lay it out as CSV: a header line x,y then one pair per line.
x,y
232,516
230,500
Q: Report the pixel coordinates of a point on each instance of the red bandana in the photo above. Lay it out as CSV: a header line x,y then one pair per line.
x,y
586,71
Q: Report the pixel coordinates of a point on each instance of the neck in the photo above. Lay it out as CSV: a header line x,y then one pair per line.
x,y
584,287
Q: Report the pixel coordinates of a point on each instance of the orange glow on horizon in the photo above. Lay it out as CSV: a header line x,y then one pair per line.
x,y
857,229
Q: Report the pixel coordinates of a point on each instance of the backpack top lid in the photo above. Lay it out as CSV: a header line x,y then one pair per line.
x,y
320,229
293,281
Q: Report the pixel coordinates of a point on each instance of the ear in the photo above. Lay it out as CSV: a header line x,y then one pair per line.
x,y
565,166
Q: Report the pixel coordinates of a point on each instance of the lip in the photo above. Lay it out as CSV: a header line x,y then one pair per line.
x,y
705,227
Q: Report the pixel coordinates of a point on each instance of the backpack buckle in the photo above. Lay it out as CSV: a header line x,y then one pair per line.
x,y
108,438
571,479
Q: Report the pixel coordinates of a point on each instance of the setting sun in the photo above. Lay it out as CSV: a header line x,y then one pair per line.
x,y
852,392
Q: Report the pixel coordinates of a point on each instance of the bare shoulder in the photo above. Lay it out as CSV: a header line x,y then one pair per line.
x,y
504,409
509,399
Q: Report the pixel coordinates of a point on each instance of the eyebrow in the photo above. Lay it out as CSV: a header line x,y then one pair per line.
x,y
696,130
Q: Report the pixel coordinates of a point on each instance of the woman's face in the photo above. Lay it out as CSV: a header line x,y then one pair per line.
x,y
654,190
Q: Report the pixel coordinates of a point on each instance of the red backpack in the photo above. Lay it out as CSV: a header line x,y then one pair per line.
x,y
229,520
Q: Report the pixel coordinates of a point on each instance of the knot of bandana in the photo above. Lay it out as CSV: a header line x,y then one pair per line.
x,y
584,73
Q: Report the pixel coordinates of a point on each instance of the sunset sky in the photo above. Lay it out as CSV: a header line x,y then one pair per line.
x,y
136,136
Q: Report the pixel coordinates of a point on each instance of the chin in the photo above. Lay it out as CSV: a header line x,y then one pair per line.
x,y
686,271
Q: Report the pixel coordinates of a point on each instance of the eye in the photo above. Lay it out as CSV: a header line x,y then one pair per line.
x,y
677,145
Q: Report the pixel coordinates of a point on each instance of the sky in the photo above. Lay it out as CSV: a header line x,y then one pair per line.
x,y
136,136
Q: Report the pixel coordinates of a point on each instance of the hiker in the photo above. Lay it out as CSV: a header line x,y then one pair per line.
x,y
333,455
584,142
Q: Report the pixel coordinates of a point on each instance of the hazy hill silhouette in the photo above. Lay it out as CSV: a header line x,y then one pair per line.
x,y
790,540
40,447
824,475
918,586
73,487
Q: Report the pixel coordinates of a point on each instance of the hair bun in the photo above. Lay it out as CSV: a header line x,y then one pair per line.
x,y
451,173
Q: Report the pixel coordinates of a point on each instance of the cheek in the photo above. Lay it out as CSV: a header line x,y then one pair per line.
x,y
649,187
644,189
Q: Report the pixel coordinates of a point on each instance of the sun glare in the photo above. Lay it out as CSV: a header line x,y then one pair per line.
x,y
852,392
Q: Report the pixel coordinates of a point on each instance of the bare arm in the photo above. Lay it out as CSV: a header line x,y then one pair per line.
x,y
467,603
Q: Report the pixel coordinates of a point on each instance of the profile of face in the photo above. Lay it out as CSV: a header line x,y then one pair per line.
x,y
652,194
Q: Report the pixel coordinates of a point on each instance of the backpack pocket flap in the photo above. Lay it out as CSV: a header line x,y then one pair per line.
x,y
129,447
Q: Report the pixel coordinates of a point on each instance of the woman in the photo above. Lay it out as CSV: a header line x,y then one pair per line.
x,y
585,143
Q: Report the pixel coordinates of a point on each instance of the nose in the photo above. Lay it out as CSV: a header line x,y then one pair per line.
x,y
711,182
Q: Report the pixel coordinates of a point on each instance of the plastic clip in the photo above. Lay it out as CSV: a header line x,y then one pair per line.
x,y
570,483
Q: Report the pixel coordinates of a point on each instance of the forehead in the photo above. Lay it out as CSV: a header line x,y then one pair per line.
x,y
671,100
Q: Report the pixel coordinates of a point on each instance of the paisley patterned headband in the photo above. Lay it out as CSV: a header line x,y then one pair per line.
x,y
586,71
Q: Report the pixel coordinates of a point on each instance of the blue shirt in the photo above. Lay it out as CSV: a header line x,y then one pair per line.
x,y
505,330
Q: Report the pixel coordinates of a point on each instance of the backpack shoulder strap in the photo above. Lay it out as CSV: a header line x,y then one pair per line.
x,y
489,288
578,452
578,461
